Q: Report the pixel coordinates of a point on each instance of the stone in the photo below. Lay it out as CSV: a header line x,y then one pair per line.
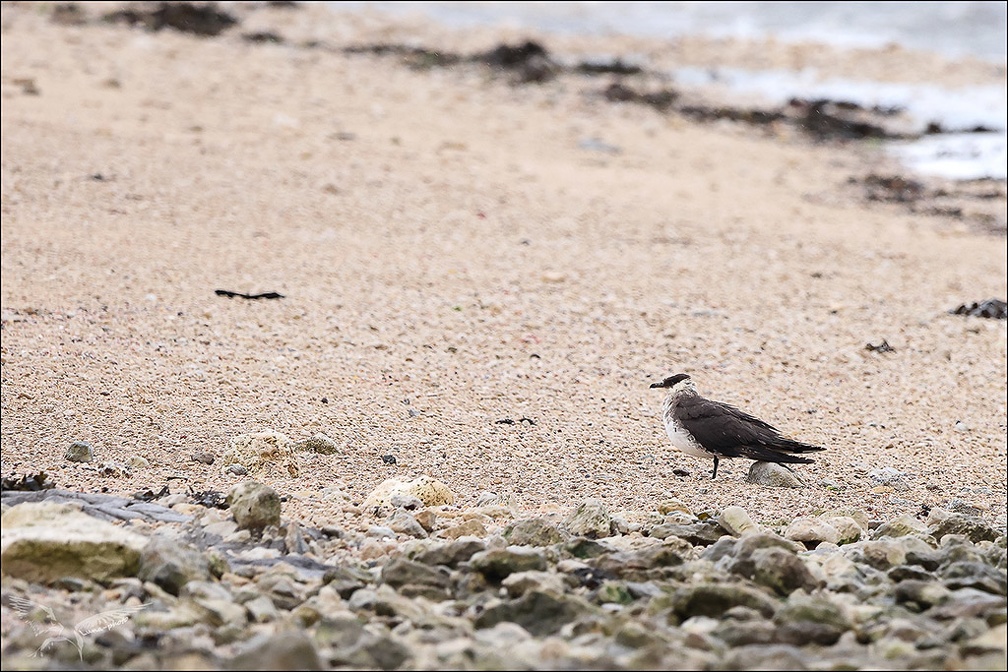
x,y
696,534
45,542
640,564
942,523
470,528
978,575
254,505
811,531
451,554
590,519
714,599
283,650
519,583
736,521
540,613
496,564
170,564
804,620
533,532
773,475
782,571
320,443
902,526
430,491
670,505
401,571
79,451
262,453
402,522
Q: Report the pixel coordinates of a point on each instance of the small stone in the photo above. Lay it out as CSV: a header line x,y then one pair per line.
x,y
496,564
670,505
470,528
113,469
736,521
79,451
811,531
171,565
888,476
519,583
401,521
430,491
590,519
236,470
139,462
773,475
285,650
807,620
203,458
533,532
254,505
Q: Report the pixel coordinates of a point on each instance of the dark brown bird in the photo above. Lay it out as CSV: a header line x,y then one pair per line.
x,y
710,429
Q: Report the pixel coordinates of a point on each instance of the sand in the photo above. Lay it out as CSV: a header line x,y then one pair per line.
x,y
456,251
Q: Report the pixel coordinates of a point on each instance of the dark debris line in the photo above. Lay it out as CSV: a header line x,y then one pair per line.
x,y
995,309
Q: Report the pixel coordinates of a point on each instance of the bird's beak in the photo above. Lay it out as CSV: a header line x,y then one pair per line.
x,y
654,385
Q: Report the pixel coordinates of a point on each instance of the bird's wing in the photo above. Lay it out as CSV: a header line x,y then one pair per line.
x,y
107,619
729,432
25,607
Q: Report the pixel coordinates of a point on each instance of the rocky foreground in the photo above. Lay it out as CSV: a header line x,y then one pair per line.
x,y
414,583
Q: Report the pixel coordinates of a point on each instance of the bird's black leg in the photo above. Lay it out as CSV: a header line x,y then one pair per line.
x,y
714,475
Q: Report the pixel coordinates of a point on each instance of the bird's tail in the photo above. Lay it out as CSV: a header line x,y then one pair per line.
x,y
786,451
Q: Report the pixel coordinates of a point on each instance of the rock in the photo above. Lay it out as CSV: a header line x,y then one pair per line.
x,y
780,570
254,505
902,526
519,583
46,542
590,519
714,599
669,505
773,475
697,534
452,554
533,532
171,565
736,521
400,571
407,502
79,451
261,609
404,523
112,469
428,490
320,443
978,575
284,650
942,523
920,595
496,564
540,613
804,620
470,528
264,452
641,564
812,531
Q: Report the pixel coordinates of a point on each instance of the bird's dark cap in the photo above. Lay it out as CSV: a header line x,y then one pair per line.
x,y
671,380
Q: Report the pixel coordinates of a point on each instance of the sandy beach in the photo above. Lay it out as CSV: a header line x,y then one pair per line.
x,y
480,278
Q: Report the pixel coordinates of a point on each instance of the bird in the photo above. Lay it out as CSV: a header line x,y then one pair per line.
x,y
106,620
711,429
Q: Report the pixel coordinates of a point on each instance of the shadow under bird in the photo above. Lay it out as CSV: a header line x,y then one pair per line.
x,y
713,430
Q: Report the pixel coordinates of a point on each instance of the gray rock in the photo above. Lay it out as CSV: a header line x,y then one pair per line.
x,y
590,519
519,583
261,609
284,650
714,599
920,595
401,521
942,523
541,613
697,534
400,571
45,542
640,564
773,475
803,620
966,574
781,570
812,531
495,564
766,657
533,532
450,554
170,564
79,451
254,505
902,526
